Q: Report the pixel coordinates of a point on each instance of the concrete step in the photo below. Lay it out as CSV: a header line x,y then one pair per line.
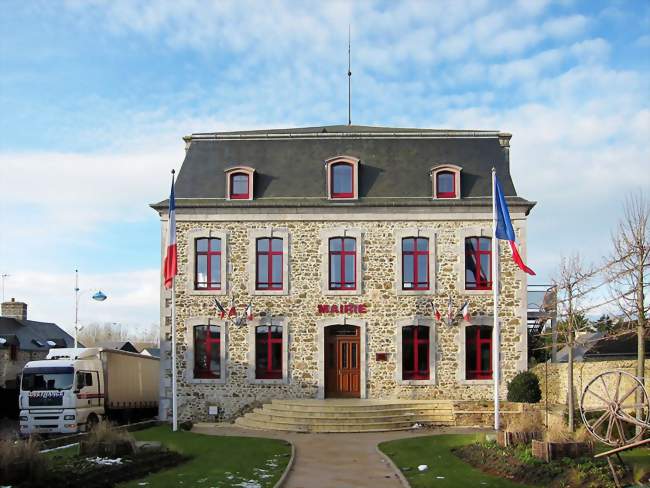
x,y
274,409
249,422
262,416
358,405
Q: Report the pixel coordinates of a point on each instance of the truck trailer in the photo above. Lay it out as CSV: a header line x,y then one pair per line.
x,y
73,389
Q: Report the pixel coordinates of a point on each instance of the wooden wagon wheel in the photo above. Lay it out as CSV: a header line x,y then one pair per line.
x,y
608,407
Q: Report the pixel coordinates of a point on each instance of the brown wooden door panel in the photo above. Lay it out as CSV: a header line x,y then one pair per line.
x,y
342,363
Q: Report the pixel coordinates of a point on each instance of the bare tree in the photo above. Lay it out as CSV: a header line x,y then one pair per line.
x,y
629,273
574,285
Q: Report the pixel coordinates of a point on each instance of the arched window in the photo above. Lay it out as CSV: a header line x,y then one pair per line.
x,y
415,263
342,263
478,263
268,254
239,187
342,180
446,184
446,181
268,352
478,353
208,264
239,183
207,351
415,353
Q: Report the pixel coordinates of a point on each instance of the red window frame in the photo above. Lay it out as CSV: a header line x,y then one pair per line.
x,y
209,343
473,335
340,256
349,194
414,254
446,194
240,196
209,253
473,263
265,341
269,284
420,336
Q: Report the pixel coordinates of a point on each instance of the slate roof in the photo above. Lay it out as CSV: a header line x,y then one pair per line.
x,y
617,347
119,345
394,166
29,333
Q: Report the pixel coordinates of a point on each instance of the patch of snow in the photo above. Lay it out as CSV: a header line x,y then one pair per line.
x,y
440,477
423,467
202,480
249,484
143,483
105,461
417,425
57,448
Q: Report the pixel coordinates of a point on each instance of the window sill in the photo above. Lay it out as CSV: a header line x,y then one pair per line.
x,y
428,382
476,292
282,292
197,293
335,293
258,381
402,292
206,381
476,382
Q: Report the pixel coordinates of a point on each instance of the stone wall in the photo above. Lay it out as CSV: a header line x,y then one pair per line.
x,y
299,307
583,373
10,369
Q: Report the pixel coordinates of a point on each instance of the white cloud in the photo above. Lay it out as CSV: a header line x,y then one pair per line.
x,y
133,297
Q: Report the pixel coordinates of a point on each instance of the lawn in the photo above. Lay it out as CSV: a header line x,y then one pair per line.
x,y
217,461
445,469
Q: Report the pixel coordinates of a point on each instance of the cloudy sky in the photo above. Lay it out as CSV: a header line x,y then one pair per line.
x,y
96,96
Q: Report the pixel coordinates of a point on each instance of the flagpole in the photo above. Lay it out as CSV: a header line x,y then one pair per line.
x,y
496,330
174,386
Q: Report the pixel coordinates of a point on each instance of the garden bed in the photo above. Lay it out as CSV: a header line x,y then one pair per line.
x,y
518,464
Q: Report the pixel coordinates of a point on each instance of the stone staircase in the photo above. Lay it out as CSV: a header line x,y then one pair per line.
x,y
348,415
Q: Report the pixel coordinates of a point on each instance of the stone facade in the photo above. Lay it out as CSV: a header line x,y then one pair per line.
x,y
10,369
297,306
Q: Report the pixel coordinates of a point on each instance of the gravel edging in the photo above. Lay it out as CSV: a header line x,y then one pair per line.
x,y
398,472
285,475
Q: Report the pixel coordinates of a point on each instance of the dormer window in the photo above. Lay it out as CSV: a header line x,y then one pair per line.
x,y
342,178
446,181
239,183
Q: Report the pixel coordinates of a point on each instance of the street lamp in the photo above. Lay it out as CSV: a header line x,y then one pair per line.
x,y
99,296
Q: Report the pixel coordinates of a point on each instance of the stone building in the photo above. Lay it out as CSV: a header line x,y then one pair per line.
x,y
21,341
344,239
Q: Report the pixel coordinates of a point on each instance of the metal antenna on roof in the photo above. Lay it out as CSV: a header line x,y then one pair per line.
x,y
349,82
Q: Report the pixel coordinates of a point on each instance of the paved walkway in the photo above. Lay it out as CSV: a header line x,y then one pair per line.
x,y
335,460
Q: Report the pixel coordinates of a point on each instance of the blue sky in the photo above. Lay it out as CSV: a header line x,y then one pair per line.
x,y
96,96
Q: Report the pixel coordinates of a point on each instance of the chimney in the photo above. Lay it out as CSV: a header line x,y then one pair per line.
x,y
14,310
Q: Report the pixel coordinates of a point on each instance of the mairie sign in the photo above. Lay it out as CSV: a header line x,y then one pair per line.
x,y
343,308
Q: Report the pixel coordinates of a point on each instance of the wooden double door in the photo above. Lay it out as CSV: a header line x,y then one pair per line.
x,y
342,361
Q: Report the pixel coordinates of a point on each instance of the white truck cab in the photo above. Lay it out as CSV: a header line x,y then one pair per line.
x,y
72,389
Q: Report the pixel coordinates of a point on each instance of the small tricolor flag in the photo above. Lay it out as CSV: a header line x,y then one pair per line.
x,y
437,314
464,311
222,311
504,228
249,311
170,266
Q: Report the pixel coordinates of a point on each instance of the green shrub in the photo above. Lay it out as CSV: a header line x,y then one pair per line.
x,y
524,388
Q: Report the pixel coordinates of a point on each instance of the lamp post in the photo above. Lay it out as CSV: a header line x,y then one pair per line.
x,y
99,296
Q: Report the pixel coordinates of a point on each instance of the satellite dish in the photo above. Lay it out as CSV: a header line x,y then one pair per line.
x,y
99,296
51,343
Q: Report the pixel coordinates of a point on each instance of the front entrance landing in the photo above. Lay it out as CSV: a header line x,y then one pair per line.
x,y
348,415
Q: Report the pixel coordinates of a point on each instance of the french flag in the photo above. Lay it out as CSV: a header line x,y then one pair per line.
x,y
170,265
504,228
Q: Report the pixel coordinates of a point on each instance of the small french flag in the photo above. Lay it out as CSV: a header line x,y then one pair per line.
x,y
249,311
504,228
170,265
464,311
222,311
436,313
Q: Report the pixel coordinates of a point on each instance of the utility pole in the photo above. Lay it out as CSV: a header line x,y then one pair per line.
x,y
3,285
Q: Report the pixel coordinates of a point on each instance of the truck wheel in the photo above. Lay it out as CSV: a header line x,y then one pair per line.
x,y
91,422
